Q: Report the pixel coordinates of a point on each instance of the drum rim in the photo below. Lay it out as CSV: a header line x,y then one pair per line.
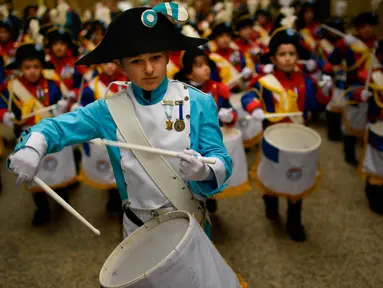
x,y
149,225
312,131
376,124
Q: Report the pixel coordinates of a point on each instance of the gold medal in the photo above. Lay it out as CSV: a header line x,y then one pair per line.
x,y
179,125
169,125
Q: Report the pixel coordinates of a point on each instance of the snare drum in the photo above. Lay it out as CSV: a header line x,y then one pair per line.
x,y
288,164
373,155
238,182
251,128
355,119
96,168
57,170
171,251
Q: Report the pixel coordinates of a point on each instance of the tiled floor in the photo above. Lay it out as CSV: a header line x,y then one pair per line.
x,y
344,247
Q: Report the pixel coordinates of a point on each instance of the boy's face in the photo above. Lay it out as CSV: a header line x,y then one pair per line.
x,y
59,48
31,69
223,40
4,35
201,71
98,35
365,31
147,71
109,68
285,58
246,32
309,15
262,20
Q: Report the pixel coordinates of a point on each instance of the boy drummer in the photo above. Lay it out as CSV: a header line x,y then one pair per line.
x,y
152,110
284,90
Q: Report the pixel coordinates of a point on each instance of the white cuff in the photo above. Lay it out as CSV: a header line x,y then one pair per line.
x,y
37,141
219,171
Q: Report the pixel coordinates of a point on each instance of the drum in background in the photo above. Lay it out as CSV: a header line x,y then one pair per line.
x,y
355,119
96,168
289,160
239,179
373,156
251,129
57,169
171,250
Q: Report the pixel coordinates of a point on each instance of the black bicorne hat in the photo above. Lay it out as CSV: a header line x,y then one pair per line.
x,y
5,23
142,30
369,18
29,51
244,21
221,28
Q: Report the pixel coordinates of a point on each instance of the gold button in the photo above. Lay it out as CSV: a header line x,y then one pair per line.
x,y
188,116
186,98
185,87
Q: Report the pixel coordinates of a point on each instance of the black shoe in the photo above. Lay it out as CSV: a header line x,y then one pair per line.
x,y
211,205
114,204
41,217
374,194
352,162
297,232
271,207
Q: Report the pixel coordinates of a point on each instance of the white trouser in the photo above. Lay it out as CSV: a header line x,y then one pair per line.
x,y
129,227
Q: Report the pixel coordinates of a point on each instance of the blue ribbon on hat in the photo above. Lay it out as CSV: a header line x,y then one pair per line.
x,y
149,17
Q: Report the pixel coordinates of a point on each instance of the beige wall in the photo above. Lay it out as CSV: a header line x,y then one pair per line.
x,y
354,7
357,6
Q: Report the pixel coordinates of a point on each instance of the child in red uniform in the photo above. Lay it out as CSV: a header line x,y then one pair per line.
x,y
27,92
63,56
302,94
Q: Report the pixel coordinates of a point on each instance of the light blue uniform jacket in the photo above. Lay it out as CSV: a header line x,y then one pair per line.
x,y
95,121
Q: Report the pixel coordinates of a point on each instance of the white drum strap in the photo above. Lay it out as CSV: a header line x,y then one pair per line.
x,y
168,182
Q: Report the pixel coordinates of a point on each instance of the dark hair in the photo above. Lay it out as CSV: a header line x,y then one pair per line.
x,y
189,60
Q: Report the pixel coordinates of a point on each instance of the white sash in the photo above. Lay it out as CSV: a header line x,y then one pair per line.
x,y
122,111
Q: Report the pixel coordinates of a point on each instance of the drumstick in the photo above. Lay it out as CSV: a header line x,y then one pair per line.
x,y
64,204
147,149
333,30
234,81
43,110
81,90
304,62
277,115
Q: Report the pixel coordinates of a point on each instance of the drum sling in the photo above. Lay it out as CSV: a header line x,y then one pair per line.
x,y
166,179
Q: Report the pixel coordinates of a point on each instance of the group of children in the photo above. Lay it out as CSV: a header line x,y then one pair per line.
x,y
288,63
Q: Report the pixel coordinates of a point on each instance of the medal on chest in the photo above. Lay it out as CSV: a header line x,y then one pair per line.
x,y
179,125
168,109
40,93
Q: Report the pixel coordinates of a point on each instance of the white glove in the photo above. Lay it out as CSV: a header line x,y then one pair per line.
x,y
246,72
328,83
74,107
25,163
61,107
191,168
225,115
69,96
311,65
365,95
258,114
255,51
8,118
268,68
349,39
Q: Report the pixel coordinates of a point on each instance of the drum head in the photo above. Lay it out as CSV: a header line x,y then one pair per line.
x,y
146,248
230,133
377,128
292,137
